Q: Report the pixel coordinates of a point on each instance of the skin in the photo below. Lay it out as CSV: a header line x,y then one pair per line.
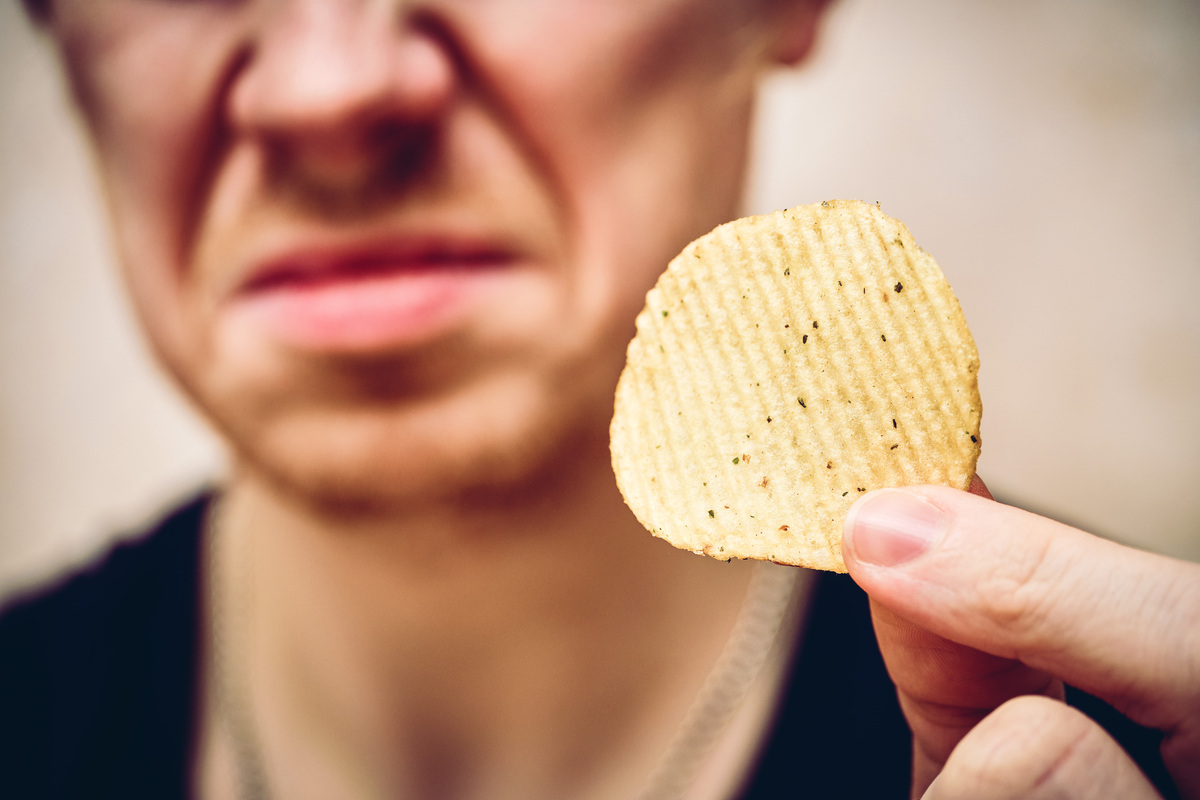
x,y
430,575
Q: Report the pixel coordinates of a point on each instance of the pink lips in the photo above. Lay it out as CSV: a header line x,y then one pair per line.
x,y
367,299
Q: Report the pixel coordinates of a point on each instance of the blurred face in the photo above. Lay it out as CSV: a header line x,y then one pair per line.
x,y
395,250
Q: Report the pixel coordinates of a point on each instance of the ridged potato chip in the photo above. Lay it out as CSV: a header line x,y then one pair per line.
x,y
784,364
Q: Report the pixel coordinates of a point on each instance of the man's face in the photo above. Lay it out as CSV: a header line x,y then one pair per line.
x,y
395,249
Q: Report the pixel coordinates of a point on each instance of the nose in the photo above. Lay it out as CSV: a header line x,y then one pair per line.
x,y
334,81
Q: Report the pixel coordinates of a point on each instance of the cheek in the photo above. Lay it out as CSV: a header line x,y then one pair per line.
x,y
639,186
651,155
150,113
154,145
149,216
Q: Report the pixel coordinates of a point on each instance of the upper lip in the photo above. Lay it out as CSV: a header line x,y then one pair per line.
x,y
311,261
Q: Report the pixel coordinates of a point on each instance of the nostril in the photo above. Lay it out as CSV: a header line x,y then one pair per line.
x,y
346,175
406,153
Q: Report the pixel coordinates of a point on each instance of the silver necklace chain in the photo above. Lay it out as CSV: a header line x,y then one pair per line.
x,y
755,634
231,695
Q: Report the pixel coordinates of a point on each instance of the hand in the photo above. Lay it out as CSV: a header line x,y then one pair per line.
x,y
982,611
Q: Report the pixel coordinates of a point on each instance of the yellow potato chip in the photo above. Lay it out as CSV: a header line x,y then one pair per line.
x,y
783,365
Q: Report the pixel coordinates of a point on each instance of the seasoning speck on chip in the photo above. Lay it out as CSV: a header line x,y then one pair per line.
x,y
725,404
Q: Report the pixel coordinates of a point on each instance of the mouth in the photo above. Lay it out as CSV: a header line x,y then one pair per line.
x,y
368,299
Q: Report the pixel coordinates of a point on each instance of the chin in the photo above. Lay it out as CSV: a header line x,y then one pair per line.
x,y
488,446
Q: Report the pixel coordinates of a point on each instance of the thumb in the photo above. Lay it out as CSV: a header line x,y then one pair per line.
x,y
1120,624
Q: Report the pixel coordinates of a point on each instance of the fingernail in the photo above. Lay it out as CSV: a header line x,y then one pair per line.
x,y
889,527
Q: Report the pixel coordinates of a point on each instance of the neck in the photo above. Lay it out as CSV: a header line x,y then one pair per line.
x,y
515,647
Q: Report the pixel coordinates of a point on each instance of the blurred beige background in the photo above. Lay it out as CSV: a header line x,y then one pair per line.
x,y
1047,153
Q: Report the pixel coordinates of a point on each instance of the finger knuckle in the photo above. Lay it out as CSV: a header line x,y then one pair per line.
x,y
1020,597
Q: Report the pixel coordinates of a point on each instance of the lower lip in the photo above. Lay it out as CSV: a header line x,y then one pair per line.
x,y
361,313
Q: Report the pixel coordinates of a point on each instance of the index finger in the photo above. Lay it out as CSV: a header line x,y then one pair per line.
x,y
1118,623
